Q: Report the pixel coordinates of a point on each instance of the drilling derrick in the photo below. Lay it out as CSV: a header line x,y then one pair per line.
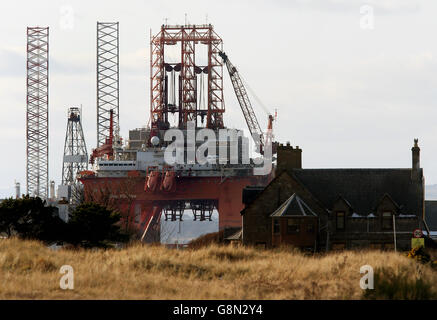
x,y
75,154
185,101
107,78
37,117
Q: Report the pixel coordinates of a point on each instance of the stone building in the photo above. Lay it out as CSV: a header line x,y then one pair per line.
x,y
335,208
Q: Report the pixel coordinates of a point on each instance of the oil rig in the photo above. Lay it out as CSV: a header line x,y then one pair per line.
x,y
134,177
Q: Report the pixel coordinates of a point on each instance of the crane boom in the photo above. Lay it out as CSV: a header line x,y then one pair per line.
x,y
244,101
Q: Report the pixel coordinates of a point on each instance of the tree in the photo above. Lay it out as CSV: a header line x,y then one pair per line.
x,y
9,215
30,218
119,195
92,224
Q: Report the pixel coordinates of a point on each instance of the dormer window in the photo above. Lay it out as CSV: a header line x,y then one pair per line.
x,y
340,220
386,209
341,209
387,220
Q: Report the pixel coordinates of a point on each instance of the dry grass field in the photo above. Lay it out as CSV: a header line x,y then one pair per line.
x,y
29,270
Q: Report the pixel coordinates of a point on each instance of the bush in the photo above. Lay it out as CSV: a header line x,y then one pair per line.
x,y
206,240
91,224
419,254
399,286
30,218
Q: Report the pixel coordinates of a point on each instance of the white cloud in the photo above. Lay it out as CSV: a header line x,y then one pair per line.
x,y
11,62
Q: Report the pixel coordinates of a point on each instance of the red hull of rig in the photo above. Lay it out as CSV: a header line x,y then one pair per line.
x,y
141,210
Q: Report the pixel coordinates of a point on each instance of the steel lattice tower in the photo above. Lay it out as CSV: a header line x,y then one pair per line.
x,y
37,116
107,78
75,153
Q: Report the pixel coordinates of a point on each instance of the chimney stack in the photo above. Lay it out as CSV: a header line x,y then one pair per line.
x,y
288,157
416,155
415,151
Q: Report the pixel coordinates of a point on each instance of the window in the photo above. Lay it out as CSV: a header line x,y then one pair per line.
x,y
310,228
387,220
276,226
339,220
293,226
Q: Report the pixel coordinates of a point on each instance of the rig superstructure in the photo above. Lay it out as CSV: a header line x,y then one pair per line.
x,y
136,179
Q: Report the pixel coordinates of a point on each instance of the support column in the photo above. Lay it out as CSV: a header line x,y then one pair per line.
x,y
230,203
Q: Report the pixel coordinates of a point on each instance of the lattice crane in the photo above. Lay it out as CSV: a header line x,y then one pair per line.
x,y
245,104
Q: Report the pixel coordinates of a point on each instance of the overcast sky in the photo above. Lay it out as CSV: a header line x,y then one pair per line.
x,y
349,97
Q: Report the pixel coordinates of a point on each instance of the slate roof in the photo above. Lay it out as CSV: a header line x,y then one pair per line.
x,y
431,214
293,206
364,188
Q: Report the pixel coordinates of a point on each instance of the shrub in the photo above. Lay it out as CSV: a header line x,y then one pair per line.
x,y
91,224
419,254
30,218
206,240
401,285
